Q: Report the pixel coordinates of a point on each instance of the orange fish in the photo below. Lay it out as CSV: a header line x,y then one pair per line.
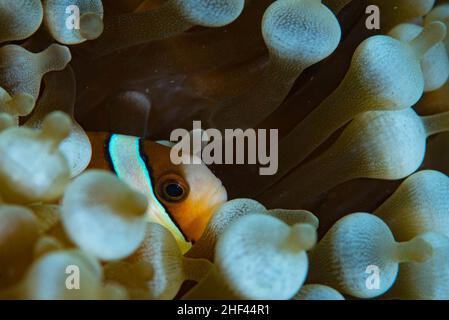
x,y
182,198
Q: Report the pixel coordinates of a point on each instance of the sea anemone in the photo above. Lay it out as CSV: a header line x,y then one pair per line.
x,y
357,208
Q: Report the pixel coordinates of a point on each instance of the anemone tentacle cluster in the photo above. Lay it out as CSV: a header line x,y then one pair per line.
x,y
358,208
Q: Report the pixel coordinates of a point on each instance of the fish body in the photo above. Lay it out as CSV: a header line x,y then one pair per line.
x,y
182,198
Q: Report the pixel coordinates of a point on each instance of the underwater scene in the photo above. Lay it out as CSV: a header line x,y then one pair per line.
x,y
224,150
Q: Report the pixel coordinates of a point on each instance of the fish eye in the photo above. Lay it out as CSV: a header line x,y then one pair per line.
x,y
173,190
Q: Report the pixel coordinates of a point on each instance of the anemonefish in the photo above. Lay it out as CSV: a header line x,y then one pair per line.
x,y
182,198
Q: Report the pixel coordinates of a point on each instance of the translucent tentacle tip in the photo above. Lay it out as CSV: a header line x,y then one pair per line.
x,y
54,58
415,250
432,34
302,237
211,13
56,127
91,26
20,104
